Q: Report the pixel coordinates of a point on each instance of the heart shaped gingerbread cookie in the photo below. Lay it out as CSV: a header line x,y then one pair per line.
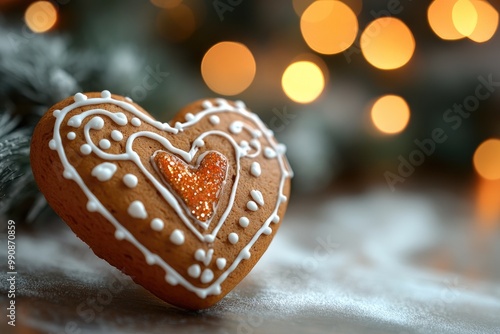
x,y
185,208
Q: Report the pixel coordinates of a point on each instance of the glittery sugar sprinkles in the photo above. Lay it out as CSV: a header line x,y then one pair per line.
x,y
198,187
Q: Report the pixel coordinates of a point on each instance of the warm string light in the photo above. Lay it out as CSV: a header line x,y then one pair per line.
x,y
228,68
456,19
303,81
329,27
387,43
40,16
390,114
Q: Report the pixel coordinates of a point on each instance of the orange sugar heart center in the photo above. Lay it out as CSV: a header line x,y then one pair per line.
x,y
198,187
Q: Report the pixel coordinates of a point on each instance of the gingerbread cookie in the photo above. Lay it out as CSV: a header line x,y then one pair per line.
x,y
186,209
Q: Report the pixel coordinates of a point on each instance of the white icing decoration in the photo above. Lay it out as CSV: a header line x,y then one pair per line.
x,y
281,148
56,113
236,127
233,238
200,255
252,206
257,197
150,259
275,219
116,135
52,144
177,237
157,224
105,94
240,104
68,174
206,104
130,180
96,123
71,135
221,263
267,231
214,119
244,221
255,169
135,121
86,149
104,171
194,271
91,206
189,116
119,235
207,276
252,124
128,99
199,142
269,153
283,198
104,144
79,97
137,210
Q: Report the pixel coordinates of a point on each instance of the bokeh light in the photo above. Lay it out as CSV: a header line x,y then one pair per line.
x,y
390,114
177,24
487,22
487,159
40,16
228,68
329,27
299,6
387,43
440,19
303,81
464,16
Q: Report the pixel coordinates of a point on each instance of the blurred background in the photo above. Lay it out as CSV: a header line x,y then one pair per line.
x,y
389,110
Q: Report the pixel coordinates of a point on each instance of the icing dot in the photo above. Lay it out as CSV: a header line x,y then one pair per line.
x,y
104,171
130,180
116,135
104,144
244,144
267,230
178,126
200,254
79,97
105,94
221,263
209,238
120,118
67,174
255,169
245,253
236,127
255,143
283,198
199,142
56,113
128,99
177,237
157,224
150,259
75,121
257,197
240,104
71,135
207,276
85,149
233,238
120,235
206,104
194,271
252,206
257,133
189,116
91,206
276,219
220,101
269,153
214,119
137,210
96,123
244,221
172,280
281,148
135,121
52,144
